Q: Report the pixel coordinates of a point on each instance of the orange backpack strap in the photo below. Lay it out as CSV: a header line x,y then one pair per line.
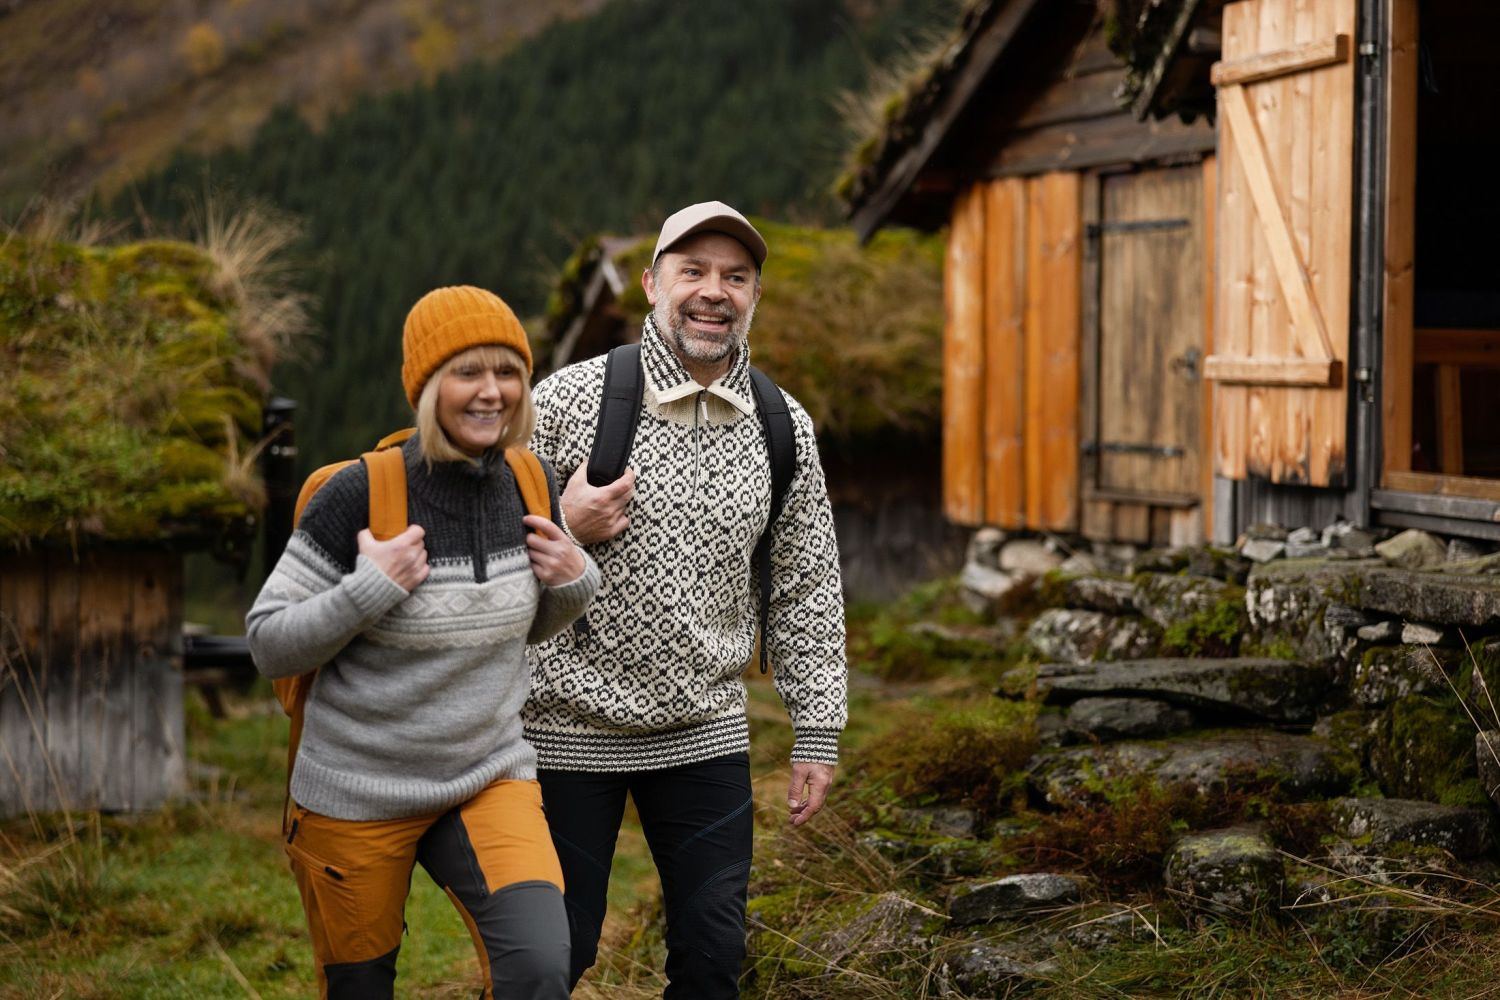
x,y
387,470
394,438
530,480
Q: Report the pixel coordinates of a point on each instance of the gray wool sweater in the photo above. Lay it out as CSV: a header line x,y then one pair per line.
x,y
416,705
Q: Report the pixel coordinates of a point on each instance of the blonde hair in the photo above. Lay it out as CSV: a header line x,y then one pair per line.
x,y
436,445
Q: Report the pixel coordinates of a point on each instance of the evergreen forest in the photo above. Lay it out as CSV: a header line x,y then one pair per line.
x,y
492,174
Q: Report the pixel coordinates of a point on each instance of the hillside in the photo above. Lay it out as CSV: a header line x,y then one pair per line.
x,y
493,173
101,92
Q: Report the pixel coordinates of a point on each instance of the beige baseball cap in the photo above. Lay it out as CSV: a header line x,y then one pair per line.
x,y
710,216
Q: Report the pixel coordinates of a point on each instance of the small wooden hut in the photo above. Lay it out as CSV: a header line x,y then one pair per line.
x,y
1209,264
852,334
129,408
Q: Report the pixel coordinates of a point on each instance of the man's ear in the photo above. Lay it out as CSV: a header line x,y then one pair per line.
x,y
649,285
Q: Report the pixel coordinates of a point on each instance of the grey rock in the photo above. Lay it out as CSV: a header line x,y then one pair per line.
x,y
1313,550
1386,673
887,924
1419,634
1110,595
941,821
1011,897
1083,636
1412,549
1287,601
1343,535
1447,598
1266,532
1222,564
1168,598
1302,767
1462,550
1081,564
1487,758
1277,690
1115,557
1304,536
1263,550
989,591
984,969
984,547
1108,719
1028,557
1381,632
1341,625
1230,873
1053,731
1097,931
1464,833
1160,561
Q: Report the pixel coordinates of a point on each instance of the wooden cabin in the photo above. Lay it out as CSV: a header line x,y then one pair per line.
x,y
1198,281
850,332
130,410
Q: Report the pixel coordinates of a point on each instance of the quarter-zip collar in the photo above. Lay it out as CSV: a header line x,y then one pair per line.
x,y
668,380
458,488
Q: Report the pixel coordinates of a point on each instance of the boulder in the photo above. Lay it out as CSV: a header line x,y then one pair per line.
x,y
1011,897
1084,636
1230,873
1387,673
984,547
1424,749
1081,564
1028,557
1277,690
1445,598
1166,599
1419,634
987,591
1412,549
1287,600
1107,719
987,969
1487,757
1302,767
1110,595
1382,823
1380,632
1263,550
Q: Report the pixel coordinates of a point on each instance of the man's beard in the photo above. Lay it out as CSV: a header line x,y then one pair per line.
x,y
703,348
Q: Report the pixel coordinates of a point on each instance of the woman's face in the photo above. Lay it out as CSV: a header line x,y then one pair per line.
x,y
475,402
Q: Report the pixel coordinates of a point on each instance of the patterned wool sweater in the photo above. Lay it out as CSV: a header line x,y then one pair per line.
x,y
416,707
655,680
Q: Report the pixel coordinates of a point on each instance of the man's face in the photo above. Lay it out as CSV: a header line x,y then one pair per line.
x,y
703,294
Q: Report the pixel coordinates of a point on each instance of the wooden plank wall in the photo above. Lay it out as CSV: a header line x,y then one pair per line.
x,y
91,693
1011,354
1400,240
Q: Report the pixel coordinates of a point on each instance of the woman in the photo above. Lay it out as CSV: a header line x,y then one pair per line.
x,y
411,746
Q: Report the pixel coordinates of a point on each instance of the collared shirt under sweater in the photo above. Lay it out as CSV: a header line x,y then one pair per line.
x,y
655,680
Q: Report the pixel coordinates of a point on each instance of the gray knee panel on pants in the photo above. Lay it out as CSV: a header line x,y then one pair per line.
x,y
524,928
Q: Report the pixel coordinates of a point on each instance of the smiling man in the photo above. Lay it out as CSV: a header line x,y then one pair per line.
x,y
647,698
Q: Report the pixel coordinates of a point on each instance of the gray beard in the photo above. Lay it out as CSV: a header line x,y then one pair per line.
x,y
702,350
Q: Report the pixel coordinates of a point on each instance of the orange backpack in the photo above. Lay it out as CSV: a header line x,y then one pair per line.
x,y
387,471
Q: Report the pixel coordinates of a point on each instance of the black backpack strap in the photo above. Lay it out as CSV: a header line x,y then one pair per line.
x,y
619,412
781,444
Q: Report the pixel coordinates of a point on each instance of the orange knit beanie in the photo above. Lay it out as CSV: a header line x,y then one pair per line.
x,y
445,322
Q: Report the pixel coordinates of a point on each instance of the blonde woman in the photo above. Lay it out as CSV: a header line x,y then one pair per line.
x,y
411,748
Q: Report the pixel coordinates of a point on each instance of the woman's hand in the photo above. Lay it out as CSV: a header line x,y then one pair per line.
x,y
554,558
403,558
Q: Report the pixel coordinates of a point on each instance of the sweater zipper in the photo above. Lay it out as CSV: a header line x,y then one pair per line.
x,y
481,571
700,417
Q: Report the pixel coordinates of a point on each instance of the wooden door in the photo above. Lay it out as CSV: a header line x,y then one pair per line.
x,y
1285,207
1150,245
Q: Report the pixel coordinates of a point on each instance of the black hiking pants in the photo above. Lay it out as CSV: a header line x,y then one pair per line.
x,y
699,822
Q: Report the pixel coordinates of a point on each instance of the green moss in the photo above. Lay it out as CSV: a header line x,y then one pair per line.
x,y
127,393
1425,750
1215,631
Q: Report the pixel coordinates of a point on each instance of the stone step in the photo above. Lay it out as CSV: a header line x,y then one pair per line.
x,y
1268,689
1303,767
1380,823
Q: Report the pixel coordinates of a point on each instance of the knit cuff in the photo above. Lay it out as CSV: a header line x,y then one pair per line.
x,y
816,746
371,591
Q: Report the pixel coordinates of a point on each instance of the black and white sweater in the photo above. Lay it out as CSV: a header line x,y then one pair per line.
x,y
656,679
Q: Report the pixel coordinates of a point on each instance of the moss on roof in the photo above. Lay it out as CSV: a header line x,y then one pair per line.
x,y
854,333
129,406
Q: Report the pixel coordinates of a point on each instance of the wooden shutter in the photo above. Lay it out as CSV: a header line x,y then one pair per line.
x,y
1285,205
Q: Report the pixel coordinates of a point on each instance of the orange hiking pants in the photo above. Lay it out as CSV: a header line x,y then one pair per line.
x,y
493,855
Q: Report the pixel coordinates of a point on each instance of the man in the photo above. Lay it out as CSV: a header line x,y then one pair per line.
x,y
648,697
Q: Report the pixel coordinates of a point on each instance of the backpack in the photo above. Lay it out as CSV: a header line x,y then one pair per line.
x,y
614,436
387,471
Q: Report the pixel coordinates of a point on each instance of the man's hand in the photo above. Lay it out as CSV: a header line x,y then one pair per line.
x,y
554,558
808,791
403,558
597,513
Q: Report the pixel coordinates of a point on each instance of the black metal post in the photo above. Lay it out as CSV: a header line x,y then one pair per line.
x,y
279,467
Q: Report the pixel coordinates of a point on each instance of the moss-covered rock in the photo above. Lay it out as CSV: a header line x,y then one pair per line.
x,y
1424,749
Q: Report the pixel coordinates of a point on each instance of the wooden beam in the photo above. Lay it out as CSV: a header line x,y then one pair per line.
x,y
1469,348
963,362
1297,59
1004,352
1291,272
1450,418
1099,142
1400,239
983,52
1448,486
1170,44
1320,372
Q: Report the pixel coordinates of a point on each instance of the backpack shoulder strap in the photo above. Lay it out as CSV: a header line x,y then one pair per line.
x,y
530,480
781,446
619,413
387,469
